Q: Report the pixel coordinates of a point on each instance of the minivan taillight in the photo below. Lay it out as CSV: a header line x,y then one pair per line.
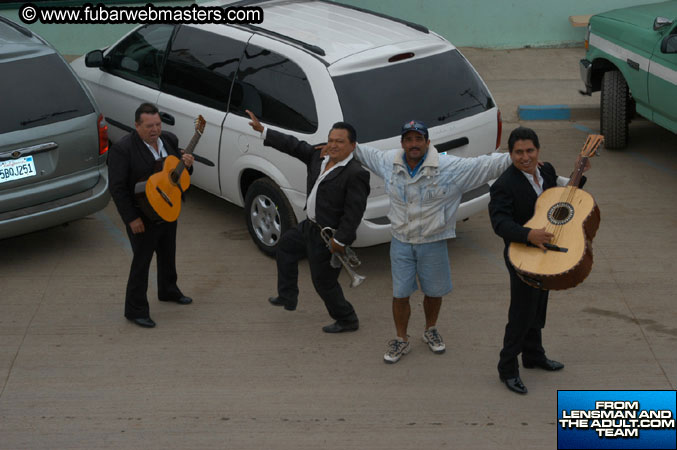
x,y
499,129
103,134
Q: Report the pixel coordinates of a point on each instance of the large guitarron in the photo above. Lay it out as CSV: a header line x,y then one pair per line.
x,y
159,197
572,216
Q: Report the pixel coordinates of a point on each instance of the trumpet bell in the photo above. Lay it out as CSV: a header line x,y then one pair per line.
x,y
356,280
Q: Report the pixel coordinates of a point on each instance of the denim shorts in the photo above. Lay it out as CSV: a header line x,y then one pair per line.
x,y
429,261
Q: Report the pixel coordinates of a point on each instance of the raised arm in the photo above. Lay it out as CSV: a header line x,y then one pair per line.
x,y
283,142
376,160
469,173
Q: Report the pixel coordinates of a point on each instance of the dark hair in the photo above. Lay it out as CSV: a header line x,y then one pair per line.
x,y
522,134
145,108
352,134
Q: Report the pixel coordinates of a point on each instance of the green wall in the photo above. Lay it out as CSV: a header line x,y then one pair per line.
x,y
466,23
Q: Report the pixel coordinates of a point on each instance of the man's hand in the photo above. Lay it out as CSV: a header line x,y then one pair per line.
x,y
336,247
255,124
539,236
187,159
587,164
137,226
322,148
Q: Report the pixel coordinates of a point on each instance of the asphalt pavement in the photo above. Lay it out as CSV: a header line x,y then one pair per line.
x,y
232,372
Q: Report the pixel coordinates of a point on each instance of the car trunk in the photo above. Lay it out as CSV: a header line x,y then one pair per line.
x,y
48,138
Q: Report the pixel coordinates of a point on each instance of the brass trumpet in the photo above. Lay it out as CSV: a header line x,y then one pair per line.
x,y
349,260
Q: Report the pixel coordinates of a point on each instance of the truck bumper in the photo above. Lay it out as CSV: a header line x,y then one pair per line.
x,y
585,68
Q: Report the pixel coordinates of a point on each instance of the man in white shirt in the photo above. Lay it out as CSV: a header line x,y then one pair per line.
x,y
337,187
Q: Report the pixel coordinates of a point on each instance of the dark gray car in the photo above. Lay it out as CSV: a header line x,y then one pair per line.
x,y
53,138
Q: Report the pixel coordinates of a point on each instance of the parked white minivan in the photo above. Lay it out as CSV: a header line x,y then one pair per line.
x,y
311,63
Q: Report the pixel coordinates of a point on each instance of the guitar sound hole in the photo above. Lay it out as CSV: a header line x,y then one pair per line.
x,y
560,213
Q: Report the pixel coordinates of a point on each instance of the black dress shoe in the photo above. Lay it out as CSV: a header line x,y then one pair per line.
x,y
288,305
183,300
340,327
546,364
515,385
145,322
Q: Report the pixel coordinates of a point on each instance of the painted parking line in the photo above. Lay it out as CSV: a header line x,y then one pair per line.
x,y
649,162
585,129
114,232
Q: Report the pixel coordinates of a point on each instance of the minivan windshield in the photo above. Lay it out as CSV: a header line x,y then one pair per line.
x,y
436,90
39,91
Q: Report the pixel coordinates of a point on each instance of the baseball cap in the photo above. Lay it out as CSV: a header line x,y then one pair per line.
x,y
415,125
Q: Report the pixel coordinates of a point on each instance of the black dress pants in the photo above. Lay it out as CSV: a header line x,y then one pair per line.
x,y
526,318
161,240
305,240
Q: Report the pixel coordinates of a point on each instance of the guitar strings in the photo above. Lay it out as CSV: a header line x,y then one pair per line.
x,y
591,144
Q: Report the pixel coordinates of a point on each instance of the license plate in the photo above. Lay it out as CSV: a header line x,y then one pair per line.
x,y
15,169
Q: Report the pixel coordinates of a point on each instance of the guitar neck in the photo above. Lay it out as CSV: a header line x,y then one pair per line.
x,y
193,142
575,179
188,150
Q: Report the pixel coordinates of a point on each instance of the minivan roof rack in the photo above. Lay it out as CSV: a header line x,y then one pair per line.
x,y
19,28
310,47
413,25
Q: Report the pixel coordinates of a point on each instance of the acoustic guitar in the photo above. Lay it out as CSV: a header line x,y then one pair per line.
x,y
572,216
159,197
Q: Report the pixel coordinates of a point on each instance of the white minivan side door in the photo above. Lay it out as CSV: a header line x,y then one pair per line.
x,y
197,80
279,91
131,76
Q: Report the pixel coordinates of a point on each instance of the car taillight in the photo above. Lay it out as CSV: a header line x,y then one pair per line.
x,y
499,129
587,37
102,127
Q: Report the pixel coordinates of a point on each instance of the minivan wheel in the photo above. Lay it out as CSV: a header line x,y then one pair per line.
x,y
614,110
268,214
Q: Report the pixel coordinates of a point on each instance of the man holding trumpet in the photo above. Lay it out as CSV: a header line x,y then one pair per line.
x,y
337,187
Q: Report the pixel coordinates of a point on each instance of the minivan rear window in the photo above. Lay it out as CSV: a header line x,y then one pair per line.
x,y
437,89
39,91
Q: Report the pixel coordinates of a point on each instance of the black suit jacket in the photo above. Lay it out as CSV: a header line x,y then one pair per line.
x,y
513,200
342,195
129,162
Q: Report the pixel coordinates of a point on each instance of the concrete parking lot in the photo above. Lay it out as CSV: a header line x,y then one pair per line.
x,y
231,371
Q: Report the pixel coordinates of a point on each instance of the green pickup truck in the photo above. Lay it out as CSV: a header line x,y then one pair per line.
x,y
631,58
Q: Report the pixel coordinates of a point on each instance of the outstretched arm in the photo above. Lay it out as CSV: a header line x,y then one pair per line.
x,y
283,142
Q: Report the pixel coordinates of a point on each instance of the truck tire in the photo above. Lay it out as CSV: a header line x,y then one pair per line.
x,y
614,103
268,214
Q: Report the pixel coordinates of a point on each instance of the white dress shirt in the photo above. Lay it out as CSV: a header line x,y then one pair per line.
x,y
538,187
160,152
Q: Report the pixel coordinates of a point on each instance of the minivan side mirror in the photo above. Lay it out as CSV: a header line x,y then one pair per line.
x,y
94,59
669,44
660,22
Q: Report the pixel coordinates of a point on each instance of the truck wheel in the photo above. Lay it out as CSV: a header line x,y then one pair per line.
x,y
268,214
614,110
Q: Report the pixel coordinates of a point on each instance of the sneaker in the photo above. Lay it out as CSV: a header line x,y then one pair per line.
x,y
434,340
396,348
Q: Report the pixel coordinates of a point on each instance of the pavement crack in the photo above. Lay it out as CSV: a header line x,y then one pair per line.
x,y
28,326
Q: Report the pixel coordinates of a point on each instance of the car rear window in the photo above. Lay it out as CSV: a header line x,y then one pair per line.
x,y
437,89
39,91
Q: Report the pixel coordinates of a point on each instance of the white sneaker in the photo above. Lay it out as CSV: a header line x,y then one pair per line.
x,y
434,340
396,349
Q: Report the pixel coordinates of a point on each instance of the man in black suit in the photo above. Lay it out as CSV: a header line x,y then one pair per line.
x,y
337,187
135,158
513,197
